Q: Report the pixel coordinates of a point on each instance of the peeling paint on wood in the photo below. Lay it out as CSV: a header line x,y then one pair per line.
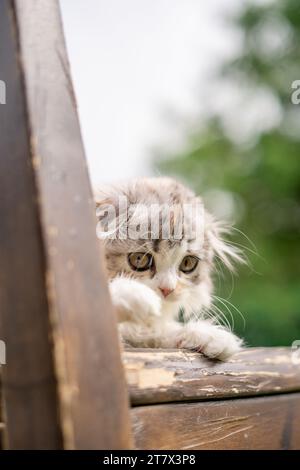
x,y
157,376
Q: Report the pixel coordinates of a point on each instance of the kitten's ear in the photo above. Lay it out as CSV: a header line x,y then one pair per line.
x,y
222,249
107,210
105,195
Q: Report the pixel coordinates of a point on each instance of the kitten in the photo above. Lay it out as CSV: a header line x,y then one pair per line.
x,y
162,264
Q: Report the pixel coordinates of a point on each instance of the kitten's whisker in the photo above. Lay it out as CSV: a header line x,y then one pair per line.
x,y
227,308
218,319
220,266
226,301
240,245
194,314
221,315
238,311
231,275
247,238
219,271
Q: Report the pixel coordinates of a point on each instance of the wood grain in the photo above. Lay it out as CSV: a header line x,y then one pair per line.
x,y
246,423
63,383
2,425
157,376
29,378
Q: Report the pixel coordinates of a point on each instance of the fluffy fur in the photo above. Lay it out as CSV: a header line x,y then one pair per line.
x,y
147,317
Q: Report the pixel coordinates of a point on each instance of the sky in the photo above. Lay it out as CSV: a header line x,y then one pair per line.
x,y
138,68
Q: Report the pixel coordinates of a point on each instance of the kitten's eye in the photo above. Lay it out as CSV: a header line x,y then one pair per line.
x,y
140,261
188,264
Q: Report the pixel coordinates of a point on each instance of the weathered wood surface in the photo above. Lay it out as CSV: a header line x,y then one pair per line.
x,y
248,423
29,380
156,376
63,383
1,418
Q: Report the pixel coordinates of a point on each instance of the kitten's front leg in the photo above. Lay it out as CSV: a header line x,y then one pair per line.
x,y
212,340
134,301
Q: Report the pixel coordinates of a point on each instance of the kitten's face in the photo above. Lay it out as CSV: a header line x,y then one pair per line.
x,y
171,268
178,270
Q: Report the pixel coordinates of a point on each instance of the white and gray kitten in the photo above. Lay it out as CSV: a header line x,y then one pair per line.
x,y
153,279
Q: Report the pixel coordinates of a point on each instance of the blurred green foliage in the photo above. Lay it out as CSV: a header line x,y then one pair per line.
x,y
259,175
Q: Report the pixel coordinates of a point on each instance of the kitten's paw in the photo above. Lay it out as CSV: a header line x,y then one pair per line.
x,y
211,340
222,345
134,300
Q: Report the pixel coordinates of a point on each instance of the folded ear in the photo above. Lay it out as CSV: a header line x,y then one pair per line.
x,y
107,210
106,195
222,249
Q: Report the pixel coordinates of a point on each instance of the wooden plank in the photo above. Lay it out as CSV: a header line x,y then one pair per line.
x,y
28,377
1,419
157,376
53,287
1,435
248,423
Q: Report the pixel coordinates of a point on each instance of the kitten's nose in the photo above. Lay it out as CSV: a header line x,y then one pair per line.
x,y
165,291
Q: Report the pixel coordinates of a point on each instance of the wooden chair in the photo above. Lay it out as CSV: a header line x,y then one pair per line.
x,y
64,385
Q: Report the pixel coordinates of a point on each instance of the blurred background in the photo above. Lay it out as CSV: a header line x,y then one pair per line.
x,y
202,91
